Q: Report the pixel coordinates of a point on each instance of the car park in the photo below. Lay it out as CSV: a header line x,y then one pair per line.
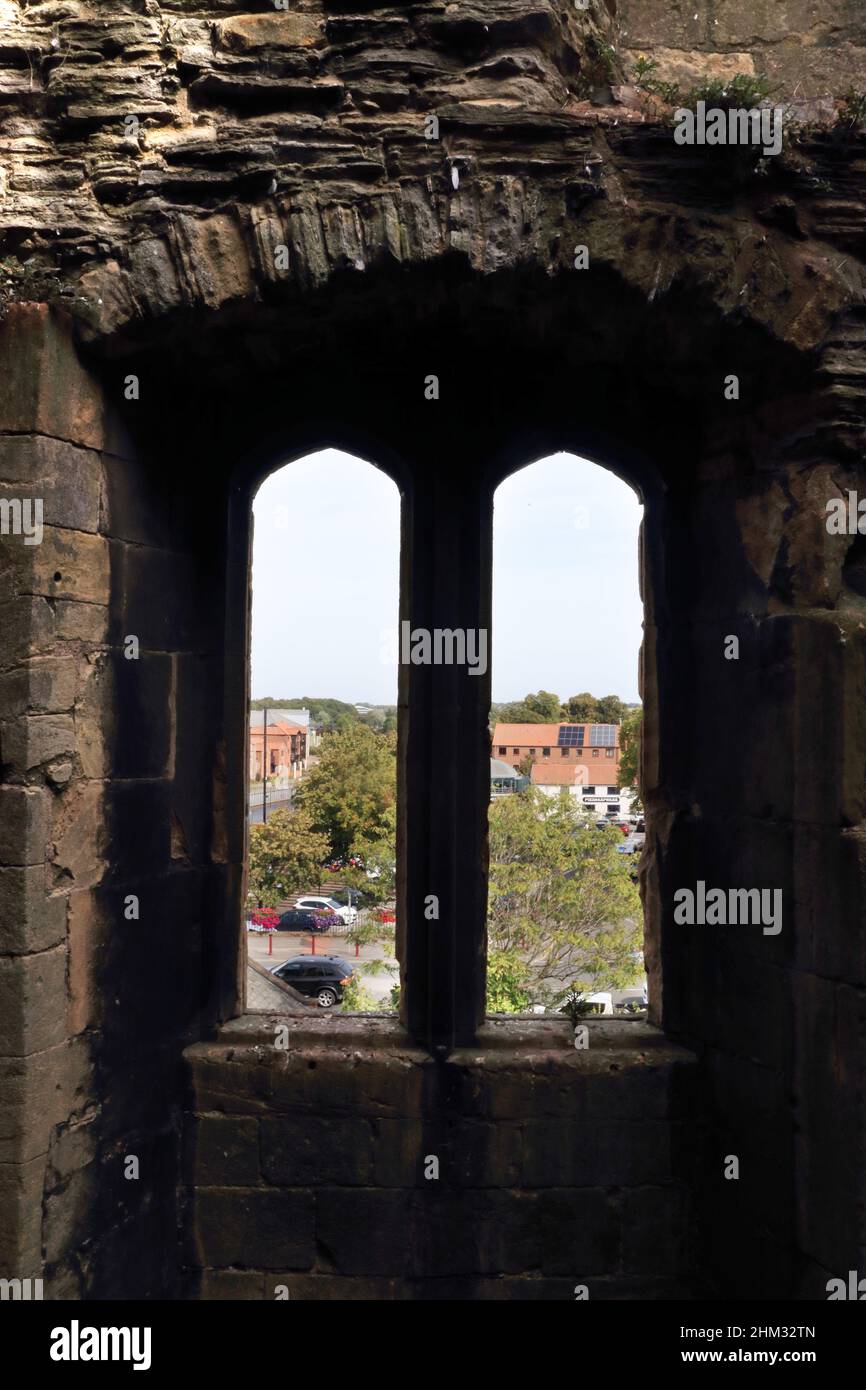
x,y
322,978
316,902
297,919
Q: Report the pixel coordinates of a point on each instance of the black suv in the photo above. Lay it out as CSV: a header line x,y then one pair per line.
x,y
305,919
321,977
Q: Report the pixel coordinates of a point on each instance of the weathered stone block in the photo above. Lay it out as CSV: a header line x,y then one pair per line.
x,y
830,1019
155,597
28,627
345,1219
307,1150
66,478
66,565
234,1083
86,941
80,835
68,1211
473,1232
143,717
29,742
655,1230
81,622
21,1218
32,1001
559,1153
259,1229
830,893
45,389
24,825
45,685
38,1092
369,1085
234,1285
579,1233
29,920
250,32
222,1152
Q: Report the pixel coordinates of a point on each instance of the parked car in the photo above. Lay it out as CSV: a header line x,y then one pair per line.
x,y
297,919
635,1003
315,903
632,844
319,977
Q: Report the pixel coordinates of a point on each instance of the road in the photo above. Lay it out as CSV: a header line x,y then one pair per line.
x,y
289,944
276,801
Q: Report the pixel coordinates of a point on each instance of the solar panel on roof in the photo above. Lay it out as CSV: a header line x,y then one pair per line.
x,y
602,736
570,736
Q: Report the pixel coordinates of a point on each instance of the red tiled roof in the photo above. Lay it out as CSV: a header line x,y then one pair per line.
x,y
526,735
539,735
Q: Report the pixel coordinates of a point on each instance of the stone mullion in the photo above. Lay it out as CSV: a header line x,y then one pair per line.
x,y
445,768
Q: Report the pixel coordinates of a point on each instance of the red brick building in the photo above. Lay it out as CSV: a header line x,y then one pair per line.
x,y
583,758
286,750
593,746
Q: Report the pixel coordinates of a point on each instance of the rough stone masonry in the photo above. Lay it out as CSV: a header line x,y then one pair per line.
x,y
158,358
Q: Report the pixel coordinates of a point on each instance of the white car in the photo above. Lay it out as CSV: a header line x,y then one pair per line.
x,y
315,903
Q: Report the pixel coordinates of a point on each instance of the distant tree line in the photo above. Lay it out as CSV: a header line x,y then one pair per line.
x,y
334,714
546,708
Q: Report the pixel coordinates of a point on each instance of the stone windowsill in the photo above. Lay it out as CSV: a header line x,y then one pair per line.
x,y
613,1043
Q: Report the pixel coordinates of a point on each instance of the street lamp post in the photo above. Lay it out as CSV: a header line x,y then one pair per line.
x,y
265,766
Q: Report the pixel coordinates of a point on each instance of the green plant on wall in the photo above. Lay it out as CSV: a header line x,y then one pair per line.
x,y
645,81
740,92
853,112
599,69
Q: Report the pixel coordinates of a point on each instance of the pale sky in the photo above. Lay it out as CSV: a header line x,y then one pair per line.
x,y
566,611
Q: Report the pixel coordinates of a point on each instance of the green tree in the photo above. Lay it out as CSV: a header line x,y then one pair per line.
x,y
508,982
322,711
581,709
562,908
609,709
352,787
629,743
540,708
378,852
285,854
544,705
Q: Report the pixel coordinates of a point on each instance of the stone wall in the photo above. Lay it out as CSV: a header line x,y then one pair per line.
x,y
107,807
156,251
809,48
557,1168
